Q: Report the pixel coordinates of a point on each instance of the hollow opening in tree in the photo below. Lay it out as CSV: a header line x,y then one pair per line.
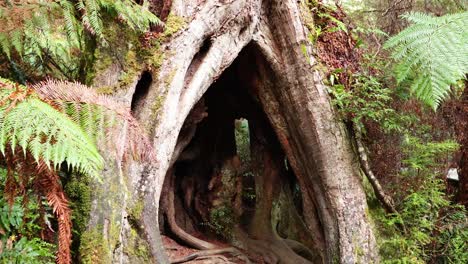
x,y
231,179
197,60
141,91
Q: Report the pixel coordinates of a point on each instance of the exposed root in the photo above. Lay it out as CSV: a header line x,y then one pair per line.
x,y
175,228
300,249
212,253
221,257
207,249
272,249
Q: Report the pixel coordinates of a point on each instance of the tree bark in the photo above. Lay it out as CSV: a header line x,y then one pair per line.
x,y
284,79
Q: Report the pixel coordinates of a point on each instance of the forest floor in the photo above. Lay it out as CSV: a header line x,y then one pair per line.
x,y
176,251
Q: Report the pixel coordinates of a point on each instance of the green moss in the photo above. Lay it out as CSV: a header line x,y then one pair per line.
x,y
115,194
137,249
136,210
114,49
170,77
155,111
173,25
157,105
132,55
358,251
307,15
79,193
336,259
106,89
320,68
304,50
223,215
102,62
132,69
155,60
114,233
94,248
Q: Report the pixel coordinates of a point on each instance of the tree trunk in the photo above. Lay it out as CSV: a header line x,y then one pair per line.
x,y
257,56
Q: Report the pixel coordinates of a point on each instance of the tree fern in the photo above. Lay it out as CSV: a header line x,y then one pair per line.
x,y
432,53
48,36
28,124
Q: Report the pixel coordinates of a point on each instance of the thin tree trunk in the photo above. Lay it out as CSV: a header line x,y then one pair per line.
x,y
384,199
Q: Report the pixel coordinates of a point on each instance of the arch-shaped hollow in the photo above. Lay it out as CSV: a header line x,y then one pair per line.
x,y
230,178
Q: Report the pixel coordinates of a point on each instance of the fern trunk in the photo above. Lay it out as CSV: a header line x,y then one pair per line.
x,y
234,59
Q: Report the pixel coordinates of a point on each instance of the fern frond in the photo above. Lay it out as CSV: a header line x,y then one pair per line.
x,y
91,17
71,24
99,115
137,17
49,183
35,127
47,35
46,183
5,44
16,41
433,52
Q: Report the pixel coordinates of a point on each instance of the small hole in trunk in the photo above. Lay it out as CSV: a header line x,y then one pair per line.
x,y
141,91
197,60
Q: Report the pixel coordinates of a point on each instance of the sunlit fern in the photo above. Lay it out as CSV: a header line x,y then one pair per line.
x,y
432,54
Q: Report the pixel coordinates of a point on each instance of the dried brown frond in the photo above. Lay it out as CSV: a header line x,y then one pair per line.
x,y
17,96
136,144
46,183
16,13
50,183
11,187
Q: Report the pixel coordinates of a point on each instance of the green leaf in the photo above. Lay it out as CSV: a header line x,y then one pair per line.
x,y
432,53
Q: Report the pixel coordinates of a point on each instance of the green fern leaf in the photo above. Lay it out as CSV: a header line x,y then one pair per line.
x,y
49,135
433,53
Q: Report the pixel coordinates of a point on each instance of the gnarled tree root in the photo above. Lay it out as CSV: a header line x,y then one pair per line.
x,y
206,248
212,253
169,209
300,249
274,249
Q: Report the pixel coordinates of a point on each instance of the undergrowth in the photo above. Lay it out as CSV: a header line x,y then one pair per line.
x,y
20,229
428,226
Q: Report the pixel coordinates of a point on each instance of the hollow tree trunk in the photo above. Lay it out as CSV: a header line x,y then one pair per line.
x,y
288,88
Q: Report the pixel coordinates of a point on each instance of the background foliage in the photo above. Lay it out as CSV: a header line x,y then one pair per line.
x,y
410,146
